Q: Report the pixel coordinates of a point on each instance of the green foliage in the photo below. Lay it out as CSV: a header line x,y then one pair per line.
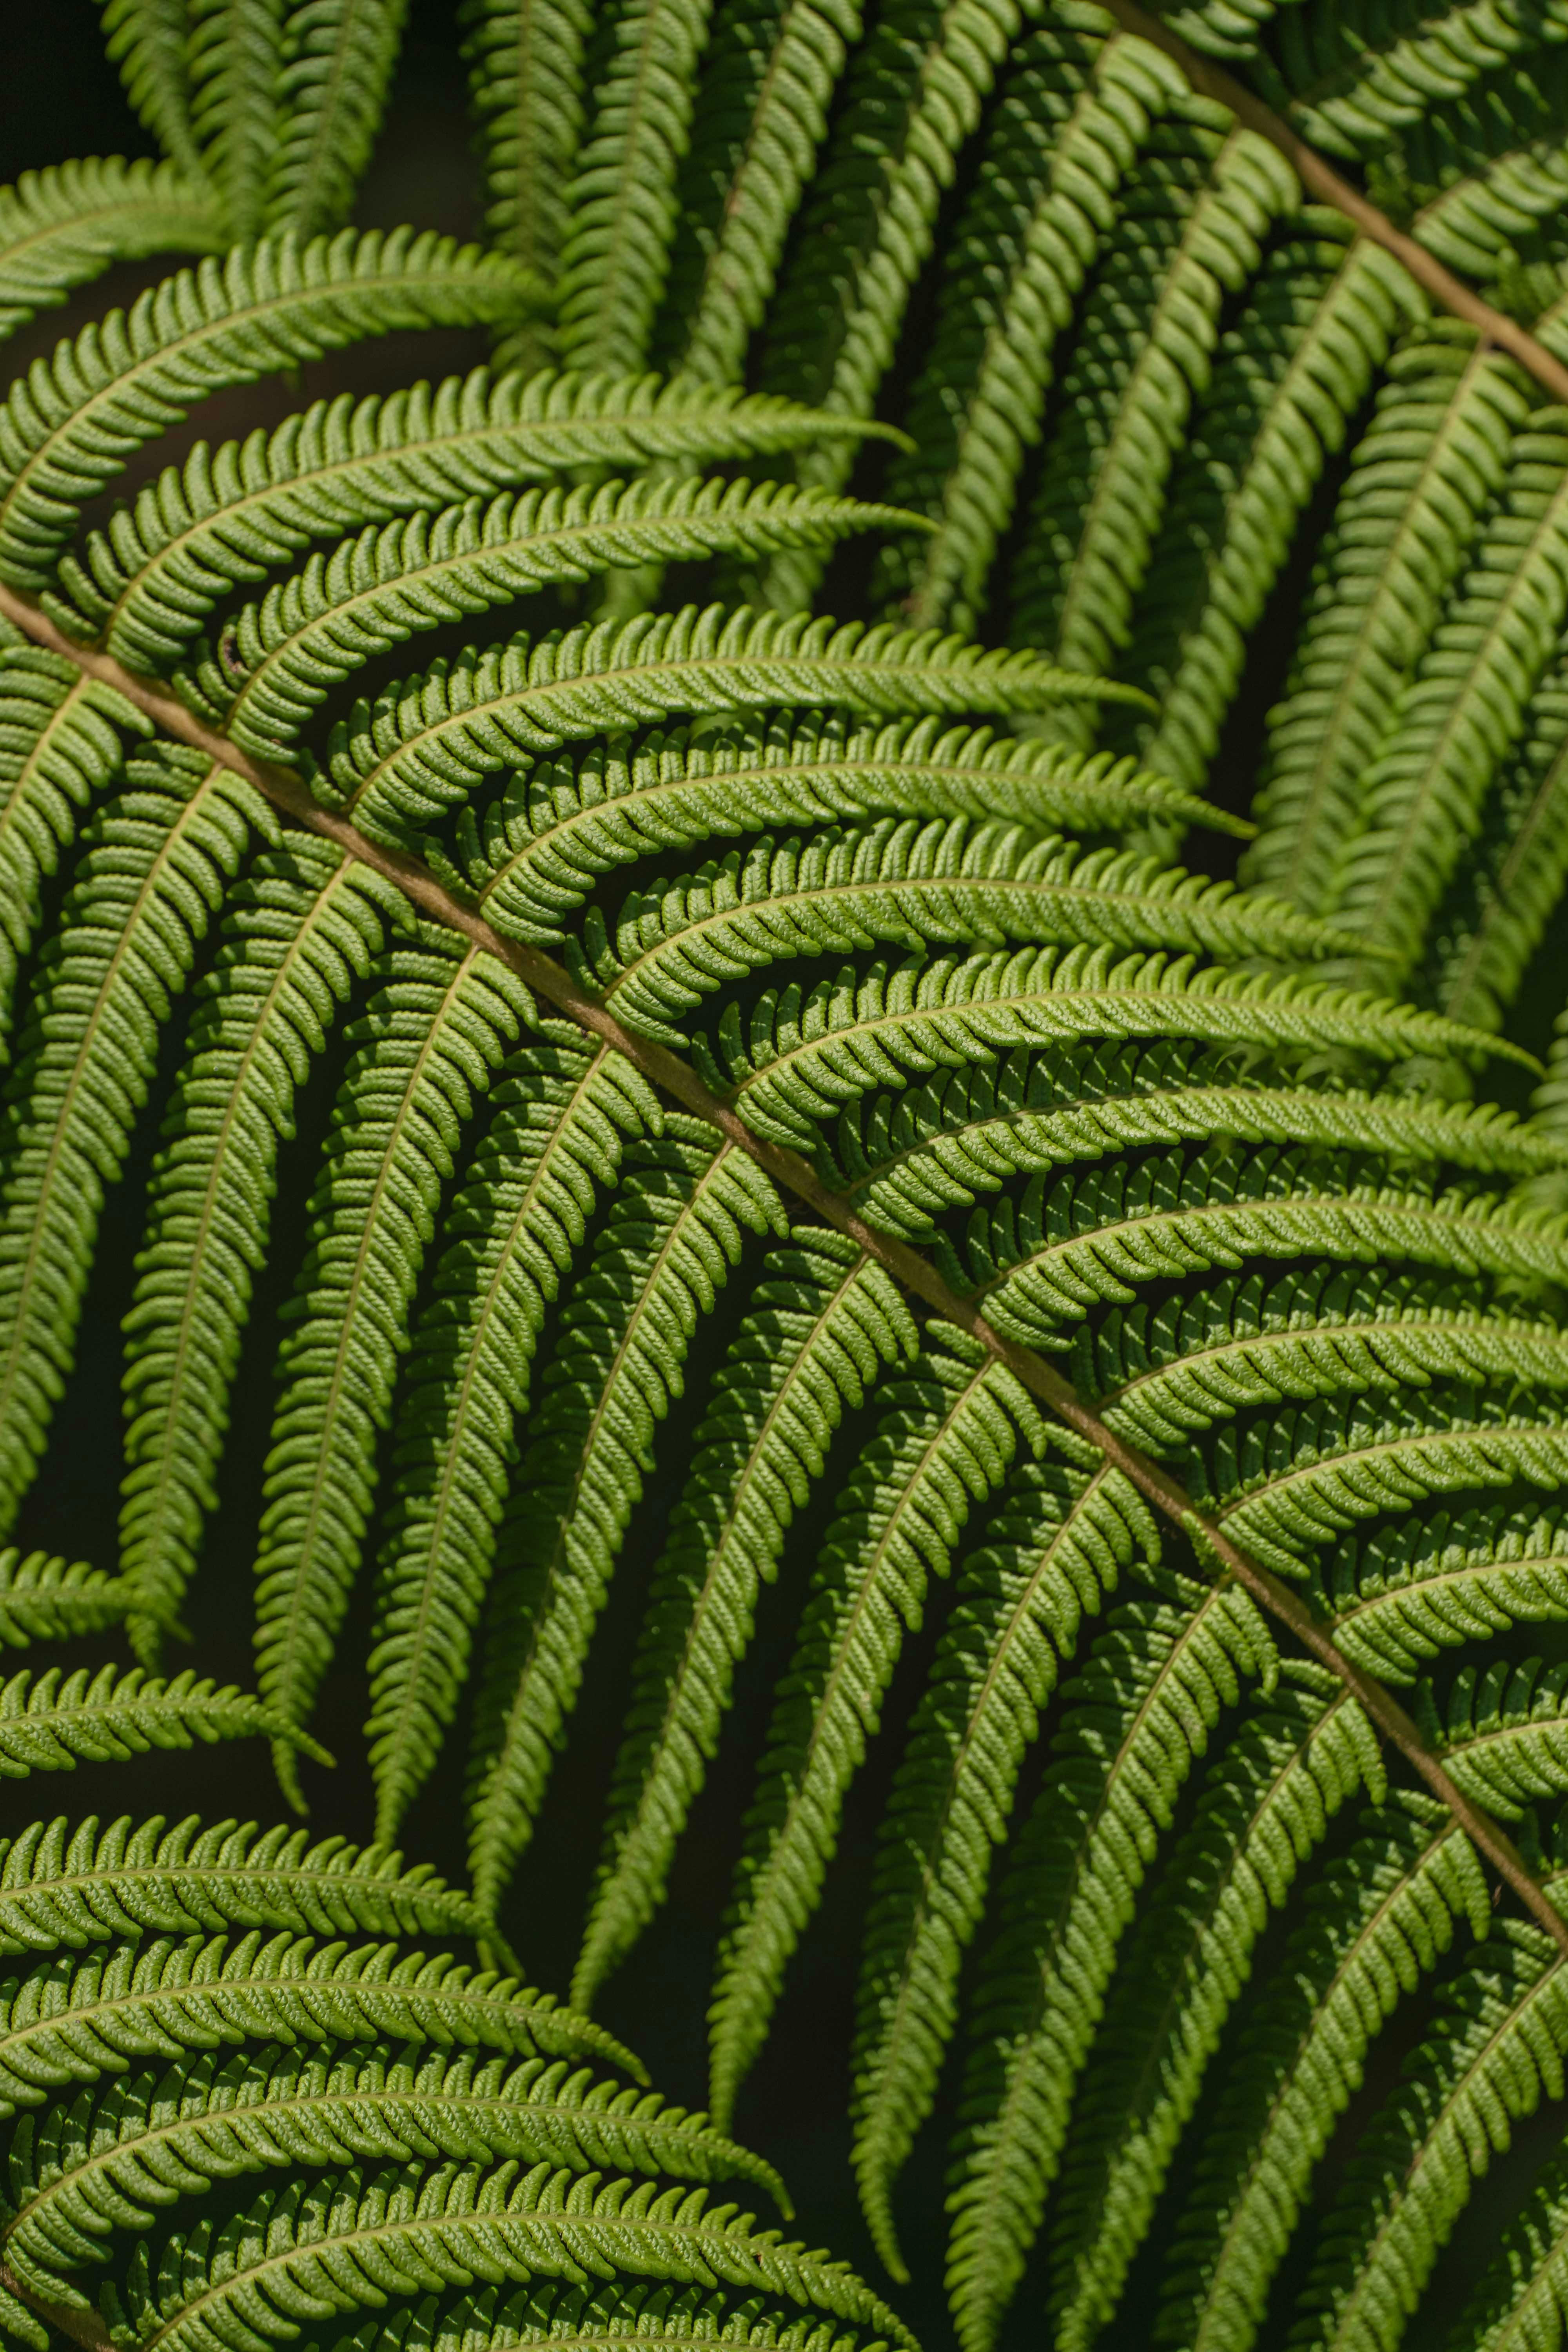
x,y
505,1136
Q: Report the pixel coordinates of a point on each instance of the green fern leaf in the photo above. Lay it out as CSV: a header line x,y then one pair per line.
x,y
337,64
1438,449
563,1116
667,1251
148,582
60,745
532,856
305,2252
428,1044
157,862
146,38
811,1053
913,92
424,748
45,1599
77,2176
62,228
526,69
1280,1782
234,56
620,204
302,926
50,1725
316,629
824,1321
1493,2052
946,1436
1046,209
88,1887
75,2022
1019,1607
1144,1706
1382,1917
75,422
758,115
913,884
1402,1594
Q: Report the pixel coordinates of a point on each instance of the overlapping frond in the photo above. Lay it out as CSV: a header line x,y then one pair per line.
x,y
1164,469
73,423
64,1887
61,229
337,62
666,1252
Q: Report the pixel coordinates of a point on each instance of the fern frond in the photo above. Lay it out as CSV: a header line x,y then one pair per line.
x,y
1193,214
1492,2053
1504,1738
157,861
1143,1708
1051,1559
1335,1463
759,116
562,1117
1115,1225
624,2316
60,744
1401,1594
1281,1780
313,2250
838,889
1073,113
146,38
302,926
810,1053
620,204
668,1249
1520,2299
1484,935
534,853
1381,1918
337,65
147,582
234,58
1421,796
50,1725
912,94
60,1887
425,746
312,631
1361,75
429,1045
945,1438
74,422
78,2020
1437,452
1282,399
526,60
824,1321
1198,1361
906,1156
50,1600
80,2174
62,228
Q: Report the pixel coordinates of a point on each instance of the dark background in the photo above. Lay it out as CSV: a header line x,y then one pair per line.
x,y
58,98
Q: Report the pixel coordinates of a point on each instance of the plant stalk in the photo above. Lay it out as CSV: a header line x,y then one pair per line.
x,y
666,1070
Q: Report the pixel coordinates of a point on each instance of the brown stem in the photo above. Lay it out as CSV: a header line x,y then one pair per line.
x,y
666,1070
84,2327
1450,292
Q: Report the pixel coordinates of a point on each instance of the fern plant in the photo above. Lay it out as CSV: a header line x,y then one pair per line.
x,y
600,940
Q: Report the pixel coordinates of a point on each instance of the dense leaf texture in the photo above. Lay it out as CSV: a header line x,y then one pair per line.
x,y
1033,476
